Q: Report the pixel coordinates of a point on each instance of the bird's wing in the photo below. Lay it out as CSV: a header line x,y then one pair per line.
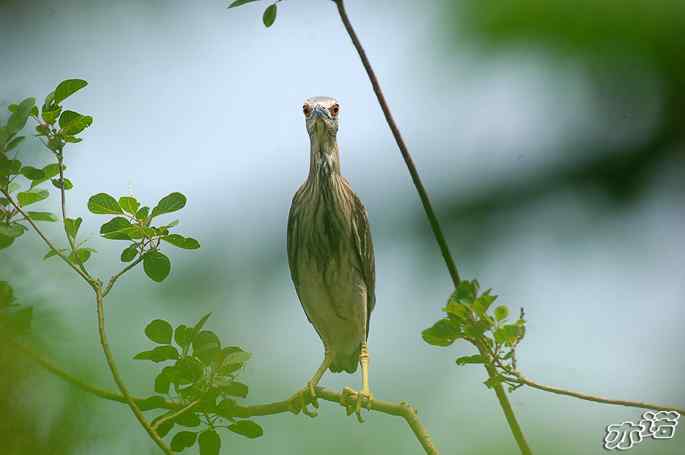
x,y
363,247
293,226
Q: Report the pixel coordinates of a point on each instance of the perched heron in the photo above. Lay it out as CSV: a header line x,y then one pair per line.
x,y
331,256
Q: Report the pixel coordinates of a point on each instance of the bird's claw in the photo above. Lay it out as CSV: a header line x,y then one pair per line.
x,y
363,400
301,399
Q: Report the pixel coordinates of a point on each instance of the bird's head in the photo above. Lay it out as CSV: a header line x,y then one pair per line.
x,y
321,116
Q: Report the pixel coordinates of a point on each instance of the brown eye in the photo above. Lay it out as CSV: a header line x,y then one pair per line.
x,y
306,109
335,109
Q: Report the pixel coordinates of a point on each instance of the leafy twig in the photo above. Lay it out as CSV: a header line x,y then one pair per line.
x,y
430,213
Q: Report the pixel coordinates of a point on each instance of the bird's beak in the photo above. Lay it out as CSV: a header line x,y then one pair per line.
x,y
320,111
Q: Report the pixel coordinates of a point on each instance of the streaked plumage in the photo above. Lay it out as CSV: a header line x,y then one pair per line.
x,y
330,252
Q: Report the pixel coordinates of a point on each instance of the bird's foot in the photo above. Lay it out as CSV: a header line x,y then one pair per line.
x,y
301,400
354,401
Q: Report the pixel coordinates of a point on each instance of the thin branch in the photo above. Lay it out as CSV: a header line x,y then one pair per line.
x,y
430,213
597,399
63,205
117,378
52,247
173,414
401,409
118,275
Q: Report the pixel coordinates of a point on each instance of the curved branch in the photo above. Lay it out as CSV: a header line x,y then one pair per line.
x,y
118,275
401,409
117,378
430,213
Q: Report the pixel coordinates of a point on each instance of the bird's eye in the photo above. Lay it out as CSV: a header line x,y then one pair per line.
x,y
335,109
306,109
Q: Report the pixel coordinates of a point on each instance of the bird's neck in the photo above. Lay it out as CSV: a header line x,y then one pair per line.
x,y
324,159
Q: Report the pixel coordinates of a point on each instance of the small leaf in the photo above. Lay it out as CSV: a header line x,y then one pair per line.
x,y
17,120
189,419
237,357
116,229
493,381
158,354
164,428
442,333
104,204
70,139
50,116
12,230
129,253
182,336
31,197
247,428
49,171
205,345
162,383
5,242
189,369
76,125
52,253
42,216
159,331
469,359
226,408
199,325
81,255
501,312
57,183
32,173
156,265
153,402
235,389
187,243
129,204
169,203
269,16
142,213
210,443
240,3
182,440
67,88
71,226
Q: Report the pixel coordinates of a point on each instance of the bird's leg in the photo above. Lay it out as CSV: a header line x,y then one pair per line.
x,y
363,397
307,395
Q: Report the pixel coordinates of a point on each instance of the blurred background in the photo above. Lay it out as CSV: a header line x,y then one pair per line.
x,y
550,135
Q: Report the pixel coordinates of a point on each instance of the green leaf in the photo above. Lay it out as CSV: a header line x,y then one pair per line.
x,y
459,310
74,123
12,230
469,359
159,331
129,253
14,142
237,357
501,312
156,265
189,369
116,229
18,318
129,204
31,197
466,292
52,253
240,3
209,442
169,203
5,242
269,16
143,213
42,216
164,428
493,381
182,440
67,88
199,325
153,402
189,419
205,345
49,171
182,336
226,408
443,333
50,116
104,204
247,428
71,226
187,243
235,389
81,255
57,183
158,354
32,173
17,120
162,383
70,139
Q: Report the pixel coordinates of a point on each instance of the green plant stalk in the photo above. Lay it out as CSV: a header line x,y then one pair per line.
x,y
430,213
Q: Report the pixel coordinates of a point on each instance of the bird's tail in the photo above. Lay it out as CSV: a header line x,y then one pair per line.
x,y
346,362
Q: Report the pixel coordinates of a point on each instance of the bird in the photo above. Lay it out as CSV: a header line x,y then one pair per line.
x,y
331,258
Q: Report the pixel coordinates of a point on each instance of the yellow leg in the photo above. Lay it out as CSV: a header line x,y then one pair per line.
x,y
364,397
307,395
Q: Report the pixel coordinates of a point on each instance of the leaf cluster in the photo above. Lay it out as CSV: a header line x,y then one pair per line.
x,y
470,316
201,371
269,15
